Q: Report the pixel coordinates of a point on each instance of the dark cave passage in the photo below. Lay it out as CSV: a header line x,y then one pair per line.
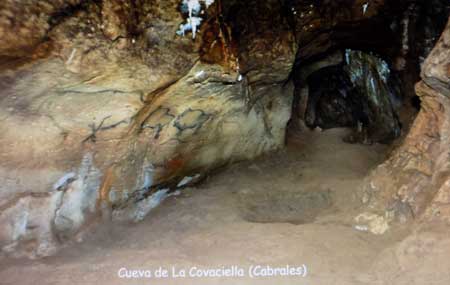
x,y
362,74
351,89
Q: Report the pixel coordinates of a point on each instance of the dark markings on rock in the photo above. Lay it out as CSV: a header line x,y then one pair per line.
x,y
160,122
94,129
220,80
137,196
191,119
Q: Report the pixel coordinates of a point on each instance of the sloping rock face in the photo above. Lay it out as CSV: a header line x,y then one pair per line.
x,y
105,111
414,182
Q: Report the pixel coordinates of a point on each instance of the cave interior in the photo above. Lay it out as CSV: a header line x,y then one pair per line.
x,y
278,119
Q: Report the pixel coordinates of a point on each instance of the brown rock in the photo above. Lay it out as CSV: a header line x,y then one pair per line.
x,y
418,173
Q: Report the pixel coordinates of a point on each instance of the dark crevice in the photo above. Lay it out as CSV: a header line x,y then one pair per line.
x,y
68,11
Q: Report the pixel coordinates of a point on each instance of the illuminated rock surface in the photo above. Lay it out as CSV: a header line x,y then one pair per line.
x,y
104,109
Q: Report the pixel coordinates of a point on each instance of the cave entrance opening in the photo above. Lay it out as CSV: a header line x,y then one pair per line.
x,y
350,89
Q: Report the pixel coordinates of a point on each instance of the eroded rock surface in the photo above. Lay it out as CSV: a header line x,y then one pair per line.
x,y
105,111
414,182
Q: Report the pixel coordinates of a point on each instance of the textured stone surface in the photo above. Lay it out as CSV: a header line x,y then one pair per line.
x,y
23,26
414,181
117,111
103,108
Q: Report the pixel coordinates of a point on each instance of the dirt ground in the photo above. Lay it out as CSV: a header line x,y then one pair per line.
x,y
291,208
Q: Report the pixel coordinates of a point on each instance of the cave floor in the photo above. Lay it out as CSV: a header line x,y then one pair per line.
x,y
254,213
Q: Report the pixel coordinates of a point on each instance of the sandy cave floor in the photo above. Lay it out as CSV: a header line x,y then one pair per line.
x,y
292,207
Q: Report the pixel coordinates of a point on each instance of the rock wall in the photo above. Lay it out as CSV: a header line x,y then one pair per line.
x,y
105,111
414,182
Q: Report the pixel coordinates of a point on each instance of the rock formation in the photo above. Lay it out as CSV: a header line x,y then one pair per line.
x,y
105,110
414,182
